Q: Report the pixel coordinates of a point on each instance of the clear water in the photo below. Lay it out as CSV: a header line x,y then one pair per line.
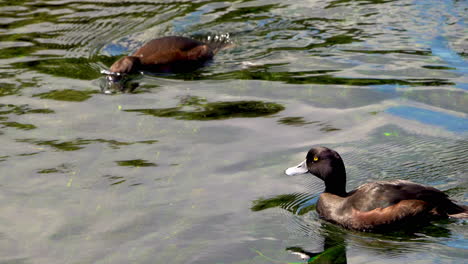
x,y
189,168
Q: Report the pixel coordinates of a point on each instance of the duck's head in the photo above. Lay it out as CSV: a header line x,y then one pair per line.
x,y
117,75
327,165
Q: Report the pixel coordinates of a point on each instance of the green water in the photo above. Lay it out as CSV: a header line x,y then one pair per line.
x,y
188,168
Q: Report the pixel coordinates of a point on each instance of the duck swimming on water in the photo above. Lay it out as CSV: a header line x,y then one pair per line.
x,y
376,205
171,54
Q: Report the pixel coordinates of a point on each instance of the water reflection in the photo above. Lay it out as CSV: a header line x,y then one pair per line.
x,y
199,109
449,122
454,100
251,13
344,62
334,249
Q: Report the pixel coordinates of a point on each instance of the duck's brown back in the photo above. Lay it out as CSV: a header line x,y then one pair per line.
x,y
379,204
168,50
387,193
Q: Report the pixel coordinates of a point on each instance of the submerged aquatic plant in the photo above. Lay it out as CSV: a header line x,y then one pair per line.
x,y
196,108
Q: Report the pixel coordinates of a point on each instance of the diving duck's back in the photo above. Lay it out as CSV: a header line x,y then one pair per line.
x,y
169,54
173,49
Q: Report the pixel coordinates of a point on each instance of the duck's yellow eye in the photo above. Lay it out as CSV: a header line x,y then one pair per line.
x,y
315,158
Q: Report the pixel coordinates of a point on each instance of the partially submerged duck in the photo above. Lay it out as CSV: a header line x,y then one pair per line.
x,y
376,205
165,55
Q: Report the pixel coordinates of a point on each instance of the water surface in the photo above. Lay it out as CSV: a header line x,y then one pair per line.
x,y
189,168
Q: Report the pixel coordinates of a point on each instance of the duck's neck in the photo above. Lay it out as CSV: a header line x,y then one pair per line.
x,y
336,190
335,182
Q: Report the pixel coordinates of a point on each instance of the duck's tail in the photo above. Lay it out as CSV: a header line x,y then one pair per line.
x,y
218,42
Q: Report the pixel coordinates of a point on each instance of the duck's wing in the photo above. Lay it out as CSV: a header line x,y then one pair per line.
x,y
376,218
383,194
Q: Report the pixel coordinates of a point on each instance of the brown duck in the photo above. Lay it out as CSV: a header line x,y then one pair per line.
x,y
166,55
373,206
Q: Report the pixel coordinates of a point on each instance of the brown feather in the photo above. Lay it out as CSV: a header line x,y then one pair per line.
x,y
167,54
389,215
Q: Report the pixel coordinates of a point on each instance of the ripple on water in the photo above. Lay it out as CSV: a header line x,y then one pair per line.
x,y
339,56
392,153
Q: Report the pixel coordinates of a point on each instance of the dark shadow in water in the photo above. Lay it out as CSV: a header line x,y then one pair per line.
x,y
8,88
67,95
19,82
135,163
18,125
79,143
295,121
295,203
438,67
118,180
201,110
22,109
115,180
62,168
317,77
6,109
299,121
58,145
28,154
75,68
409,52
338,3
